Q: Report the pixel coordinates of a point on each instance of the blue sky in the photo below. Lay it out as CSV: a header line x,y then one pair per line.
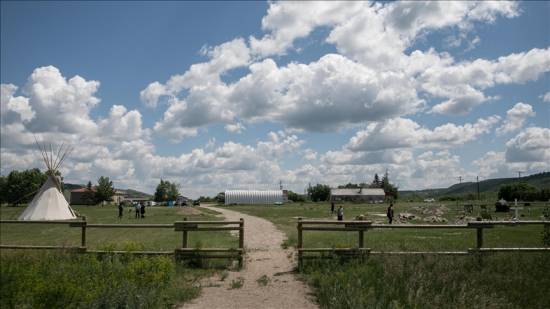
x,y
217,95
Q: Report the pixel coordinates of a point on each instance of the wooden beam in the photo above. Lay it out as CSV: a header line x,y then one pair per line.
x,y
131,252
39,222
419,252
210,222
419,226
210,249
130,226
38,247
474,250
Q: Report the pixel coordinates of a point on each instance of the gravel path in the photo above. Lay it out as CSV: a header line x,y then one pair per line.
x,y
264,259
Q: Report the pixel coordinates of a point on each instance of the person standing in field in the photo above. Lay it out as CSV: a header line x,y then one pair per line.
x,y
332,207
120,210
390,213
142,210
340,213
137,209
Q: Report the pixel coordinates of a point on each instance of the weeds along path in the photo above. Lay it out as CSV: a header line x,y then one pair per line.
x,y
265,281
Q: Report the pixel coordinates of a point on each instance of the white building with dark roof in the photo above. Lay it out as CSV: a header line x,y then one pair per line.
x,y
357,195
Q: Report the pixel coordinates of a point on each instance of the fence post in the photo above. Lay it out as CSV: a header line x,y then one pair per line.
x,y
300,245
83,238
184,240
241,241
361,234
479,242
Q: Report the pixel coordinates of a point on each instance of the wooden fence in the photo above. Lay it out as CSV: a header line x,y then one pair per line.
x,y
183,252
363,226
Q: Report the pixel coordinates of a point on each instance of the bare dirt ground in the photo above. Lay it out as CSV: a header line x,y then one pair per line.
x,y
267,281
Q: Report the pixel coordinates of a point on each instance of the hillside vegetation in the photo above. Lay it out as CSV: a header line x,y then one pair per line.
x,y
541,180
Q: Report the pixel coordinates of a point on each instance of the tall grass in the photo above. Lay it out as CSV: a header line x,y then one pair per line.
x,y
68,280
495,281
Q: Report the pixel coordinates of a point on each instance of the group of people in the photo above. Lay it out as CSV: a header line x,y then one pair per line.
x,y
139,208
340,212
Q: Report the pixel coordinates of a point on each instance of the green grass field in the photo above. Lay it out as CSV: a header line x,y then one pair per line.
x,y
92,281
505,280
285,217
144,239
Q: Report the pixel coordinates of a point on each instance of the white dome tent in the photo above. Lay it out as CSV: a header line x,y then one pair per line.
x,y
49,203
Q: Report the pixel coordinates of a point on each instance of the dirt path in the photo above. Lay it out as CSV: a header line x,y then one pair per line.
x,y
265,258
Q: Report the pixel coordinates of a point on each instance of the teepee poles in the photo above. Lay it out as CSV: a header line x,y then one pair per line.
x,y
53,158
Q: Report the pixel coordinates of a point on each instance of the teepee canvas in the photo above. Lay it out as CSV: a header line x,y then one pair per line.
x,y
49,203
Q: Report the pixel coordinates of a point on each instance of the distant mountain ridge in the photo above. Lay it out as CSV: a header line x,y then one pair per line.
x,y
130,192
541,180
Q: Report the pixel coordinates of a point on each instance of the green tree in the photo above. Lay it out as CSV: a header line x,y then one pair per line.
x,y
521,191
104,190
376,183
319,192
389,189
220,198
173,191
3,189
89,197
295,197
166,191
20,187
161,193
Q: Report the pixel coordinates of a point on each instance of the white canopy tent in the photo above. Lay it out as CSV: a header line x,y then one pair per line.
x,y
49,203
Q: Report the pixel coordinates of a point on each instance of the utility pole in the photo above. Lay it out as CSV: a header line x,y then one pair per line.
x,y
281,184
477,178
519,174
459,179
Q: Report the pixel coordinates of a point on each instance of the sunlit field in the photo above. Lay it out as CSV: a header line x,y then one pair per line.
x,y
285,217
165,239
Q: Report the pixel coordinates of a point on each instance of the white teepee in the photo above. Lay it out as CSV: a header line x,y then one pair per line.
x,y
49,203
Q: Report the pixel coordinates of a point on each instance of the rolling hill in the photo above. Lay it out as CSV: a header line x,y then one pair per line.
x,y
541,180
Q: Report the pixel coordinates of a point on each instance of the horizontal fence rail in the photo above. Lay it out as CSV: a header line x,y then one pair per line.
x,y
362,226
182,252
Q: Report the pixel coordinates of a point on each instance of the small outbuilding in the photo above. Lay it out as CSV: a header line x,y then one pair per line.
x,y
365,195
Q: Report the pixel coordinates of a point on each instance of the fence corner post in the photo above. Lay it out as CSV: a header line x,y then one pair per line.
x,y
241,241
83,234
300,242
184,239
479,242
361,239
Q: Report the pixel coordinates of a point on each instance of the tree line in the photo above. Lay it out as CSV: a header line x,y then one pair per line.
x,y
20,187
523,191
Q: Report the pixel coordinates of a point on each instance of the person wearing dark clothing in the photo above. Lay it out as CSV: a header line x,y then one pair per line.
x,y
120,210
142,210
390,213
137,208
340,213
331,208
